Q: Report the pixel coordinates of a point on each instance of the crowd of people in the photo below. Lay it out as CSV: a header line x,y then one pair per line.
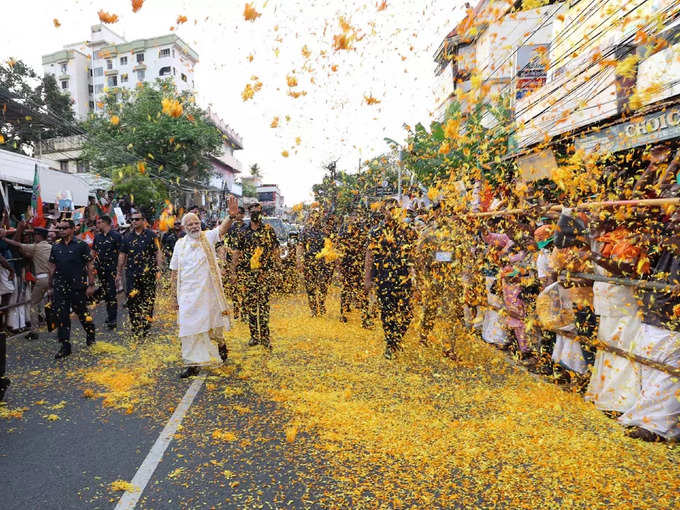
x,y
587,297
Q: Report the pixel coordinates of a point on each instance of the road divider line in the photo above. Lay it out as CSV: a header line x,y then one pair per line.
x,y
129,500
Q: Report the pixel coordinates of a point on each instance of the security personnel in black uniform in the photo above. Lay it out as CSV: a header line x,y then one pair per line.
x,y
142,258
316,272
389,261
256,251
70,268
106,247
352,240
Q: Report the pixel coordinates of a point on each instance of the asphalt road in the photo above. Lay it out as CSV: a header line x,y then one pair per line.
x,y
71,462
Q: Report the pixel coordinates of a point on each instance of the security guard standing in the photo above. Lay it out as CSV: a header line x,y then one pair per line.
x,y
352,240
316,272
436,278
256,251
70,267
389,261
142,257
106,247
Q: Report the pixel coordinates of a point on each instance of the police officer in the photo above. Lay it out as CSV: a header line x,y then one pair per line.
x,y
389,261
142,257
316,272
70,267
106,249
352,240
256,251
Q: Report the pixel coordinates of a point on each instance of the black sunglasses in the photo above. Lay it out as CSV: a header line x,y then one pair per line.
x,y
63,228
137,219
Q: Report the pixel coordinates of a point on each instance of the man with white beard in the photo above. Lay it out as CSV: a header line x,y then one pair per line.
x,y
203,313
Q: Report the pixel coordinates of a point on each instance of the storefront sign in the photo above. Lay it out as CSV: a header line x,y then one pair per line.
x,y
531,72
537,165
651,128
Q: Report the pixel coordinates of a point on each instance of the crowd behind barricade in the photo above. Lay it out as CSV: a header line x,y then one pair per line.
x,y
587,295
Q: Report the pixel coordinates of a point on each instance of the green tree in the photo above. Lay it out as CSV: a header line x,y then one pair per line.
x,y
49,111
155,128
248,190
139,188
255,170
467,145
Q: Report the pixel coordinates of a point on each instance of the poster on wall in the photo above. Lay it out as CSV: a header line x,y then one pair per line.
x,y
531,70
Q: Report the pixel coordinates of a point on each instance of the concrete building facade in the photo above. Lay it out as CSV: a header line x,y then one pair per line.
x,y
86,70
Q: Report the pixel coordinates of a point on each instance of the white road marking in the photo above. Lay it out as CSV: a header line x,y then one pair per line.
x,y
129,500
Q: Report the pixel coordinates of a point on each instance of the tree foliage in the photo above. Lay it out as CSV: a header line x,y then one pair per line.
x,y
40,95
134,128
467,145
140,189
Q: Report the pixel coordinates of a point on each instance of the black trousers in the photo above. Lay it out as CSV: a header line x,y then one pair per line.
x,y
107,293
256,306
317,277
68,299
395,310
586,326
140,303
353,290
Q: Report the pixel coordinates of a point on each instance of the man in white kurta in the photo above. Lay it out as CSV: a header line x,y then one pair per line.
x,y
202,309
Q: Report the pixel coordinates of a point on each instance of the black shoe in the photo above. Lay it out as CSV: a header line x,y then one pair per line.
x,y
253,342
190,372
64,351
389,352
90,341
224,352
32,336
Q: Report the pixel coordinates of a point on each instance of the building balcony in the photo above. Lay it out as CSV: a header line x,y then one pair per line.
x,y
110,72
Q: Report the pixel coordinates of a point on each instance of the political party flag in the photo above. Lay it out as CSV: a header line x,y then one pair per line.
x,y
36,201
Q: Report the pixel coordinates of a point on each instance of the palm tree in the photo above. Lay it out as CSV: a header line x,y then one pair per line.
x,y
255,170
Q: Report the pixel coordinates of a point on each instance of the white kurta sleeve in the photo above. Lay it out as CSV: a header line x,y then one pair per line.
x,y
174,260
213,235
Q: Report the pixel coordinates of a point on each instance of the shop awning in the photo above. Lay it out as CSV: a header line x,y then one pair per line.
x,y
19,169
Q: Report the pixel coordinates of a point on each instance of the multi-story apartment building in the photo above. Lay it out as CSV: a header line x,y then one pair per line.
x,y
499,45
86,69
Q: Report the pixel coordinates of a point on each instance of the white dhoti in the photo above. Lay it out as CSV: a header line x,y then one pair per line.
x,y
567,352
658,407
201,320
615,381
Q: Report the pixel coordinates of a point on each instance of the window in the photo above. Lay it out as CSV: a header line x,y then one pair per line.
x,y
173,53
63,166
184,77
90,71
64,68
98,71
91,105
140,58
164,71
123,61
64,84
81,165
99,88
124,78
112,81
109,64
165,52
141,75
90,89
174,71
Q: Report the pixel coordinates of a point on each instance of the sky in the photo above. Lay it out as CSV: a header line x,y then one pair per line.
x,y
391,61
